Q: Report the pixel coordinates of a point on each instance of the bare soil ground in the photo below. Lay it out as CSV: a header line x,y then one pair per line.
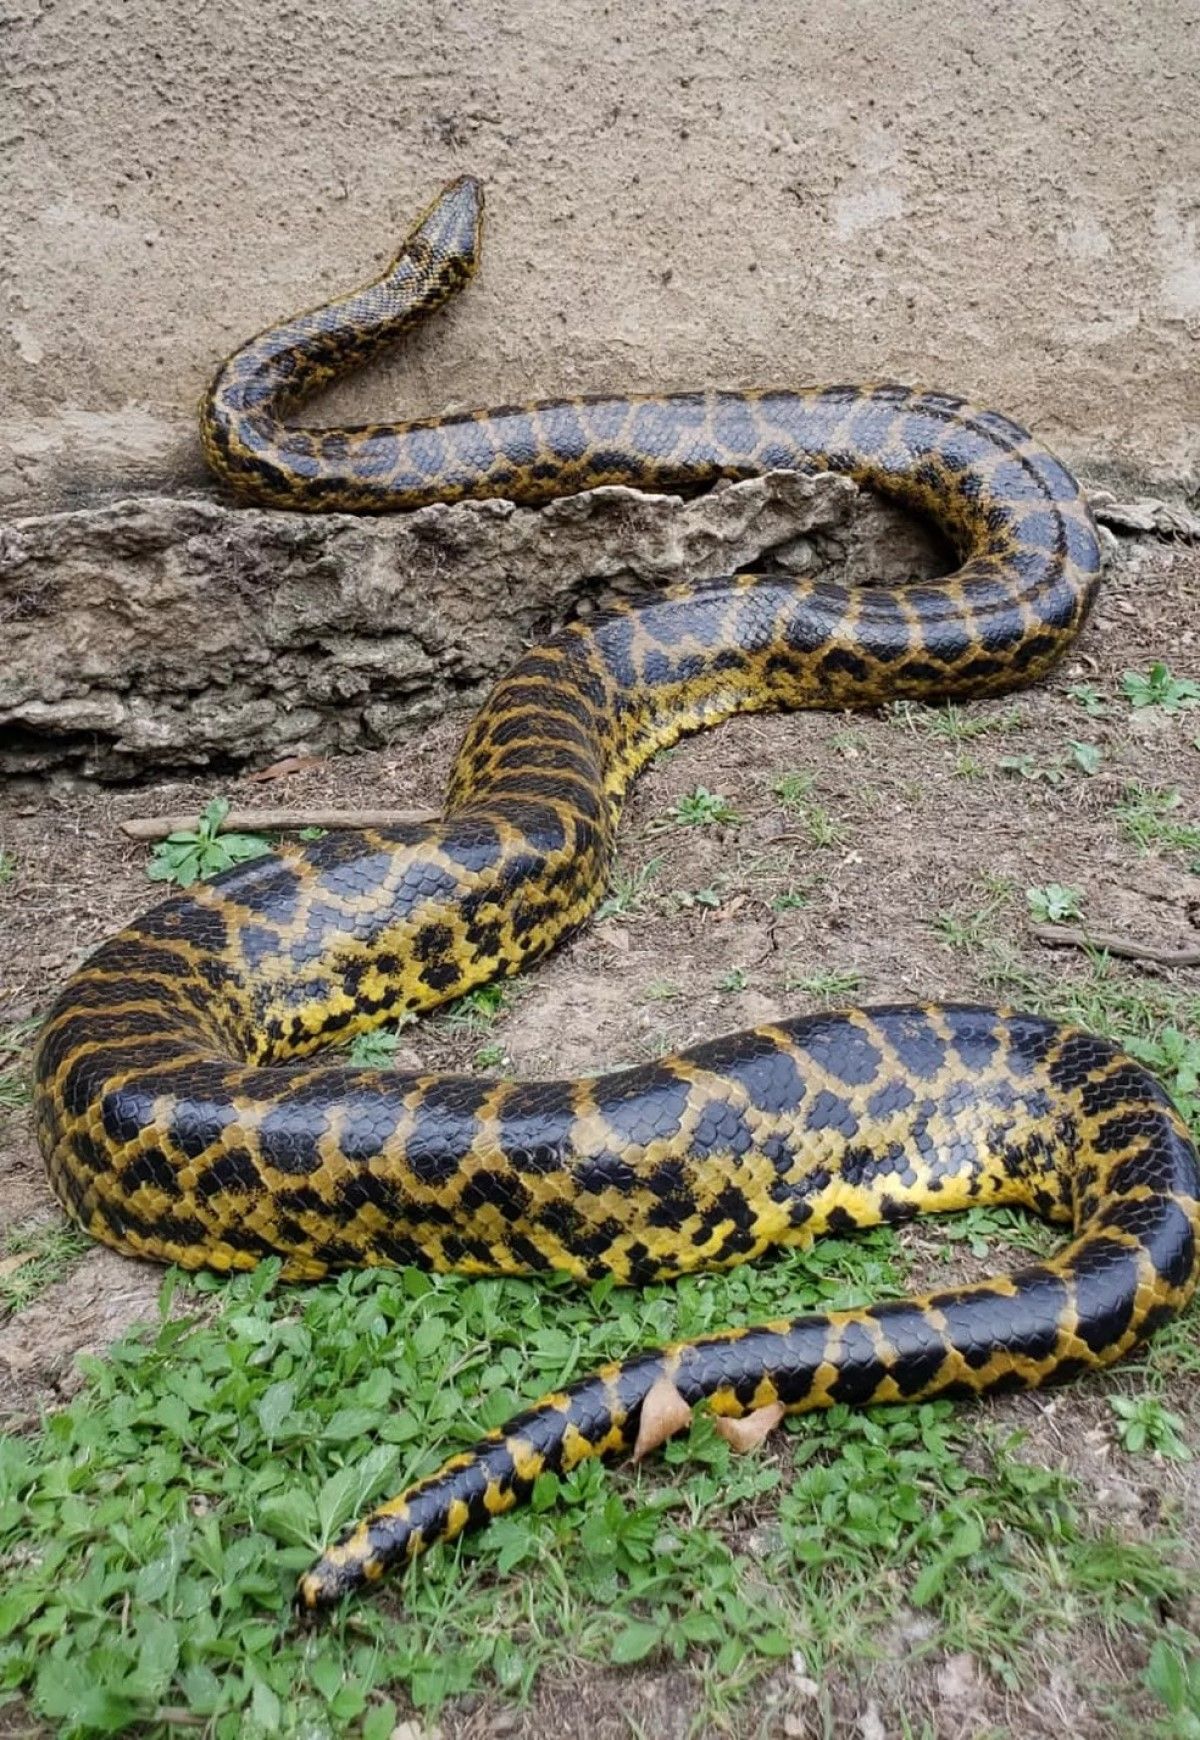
x,y
901,871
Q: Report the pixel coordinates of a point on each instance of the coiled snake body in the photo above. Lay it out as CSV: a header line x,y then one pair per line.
x,y
183,1116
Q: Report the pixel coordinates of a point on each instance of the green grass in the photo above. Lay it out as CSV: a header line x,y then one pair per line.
x,y
152,1533
970,928
1173,1677
14,1077
827,987
953,723
1150,817
793,791
33,1255
629,890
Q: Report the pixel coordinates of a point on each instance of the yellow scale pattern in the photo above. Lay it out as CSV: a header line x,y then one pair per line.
x,y
183,1116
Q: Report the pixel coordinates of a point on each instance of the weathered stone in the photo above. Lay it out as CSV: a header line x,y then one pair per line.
x,y
162,633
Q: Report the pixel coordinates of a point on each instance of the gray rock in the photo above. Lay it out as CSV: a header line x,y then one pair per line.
x,y
158,634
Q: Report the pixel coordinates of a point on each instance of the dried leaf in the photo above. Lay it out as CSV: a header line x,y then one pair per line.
x,y
281,769
664,1412
749,1432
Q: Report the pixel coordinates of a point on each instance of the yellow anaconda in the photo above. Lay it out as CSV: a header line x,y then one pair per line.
x,y
183,1115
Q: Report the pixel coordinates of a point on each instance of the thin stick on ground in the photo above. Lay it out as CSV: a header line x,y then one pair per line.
x,y
1062,936
274,821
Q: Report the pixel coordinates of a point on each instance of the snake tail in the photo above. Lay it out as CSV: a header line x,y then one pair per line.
x,y
1105,1150
190,1105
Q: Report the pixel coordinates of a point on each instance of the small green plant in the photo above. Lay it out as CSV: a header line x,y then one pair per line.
x,y
735,979
970,928
1148,817
981,1228
1054,903
661,991
628,890
8,868
1087,757
1175,1056
1173,1677
951,723
791,900
792,788
702,808
1088,696
826,985
377,1049
1050,773
968,767
1158,688
709,898
33,1256
823,829
193,854
479,1009
1143,1424
14,1079
492,1057
849,743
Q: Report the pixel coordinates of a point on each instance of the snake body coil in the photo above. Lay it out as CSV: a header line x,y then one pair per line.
x,y
183,1118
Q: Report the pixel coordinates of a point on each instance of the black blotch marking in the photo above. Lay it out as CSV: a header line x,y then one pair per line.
x,y
185,920
842,1050
126,1113
497,1189
445,1123
861,1371
152,1167
766,1073
289,1135
197,1125
432,941
605,1171
234,1172
840,661
840,1221
920,1351
369,1122
643,1105
721,1129
828,1111
440,975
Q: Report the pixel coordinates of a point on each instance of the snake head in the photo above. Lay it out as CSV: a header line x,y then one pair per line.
x,y
449,231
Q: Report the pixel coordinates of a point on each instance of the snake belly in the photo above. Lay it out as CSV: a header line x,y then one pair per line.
x,y
188,1109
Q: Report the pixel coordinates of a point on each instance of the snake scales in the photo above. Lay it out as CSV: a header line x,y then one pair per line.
x,y
183,1116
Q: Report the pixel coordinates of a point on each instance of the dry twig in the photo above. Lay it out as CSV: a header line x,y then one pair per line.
x,y
274,821
1062,936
